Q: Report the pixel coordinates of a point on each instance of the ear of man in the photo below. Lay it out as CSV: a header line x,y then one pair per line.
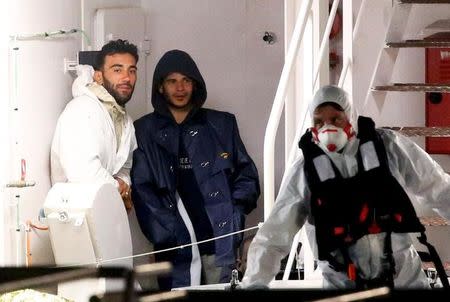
x,y
98,77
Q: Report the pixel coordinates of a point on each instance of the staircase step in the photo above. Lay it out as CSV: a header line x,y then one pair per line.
x,y
424,1
444,87
422,131
434,221
419,43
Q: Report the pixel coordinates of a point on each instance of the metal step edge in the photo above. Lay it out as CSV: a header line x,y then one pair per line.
x,y
422,131
413,87
418,44
424,1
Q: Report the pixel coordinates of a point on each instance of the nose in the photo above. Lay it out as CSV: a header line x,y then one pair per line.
x,y
125,77
180,85
128,76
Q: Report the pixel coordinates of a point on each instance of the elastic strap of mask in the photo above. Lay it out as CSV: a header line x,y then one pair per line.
x,y
349,131
315,134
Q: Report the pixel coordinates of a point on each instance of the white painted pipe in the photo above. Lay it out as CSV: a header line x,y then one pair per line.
x,y
308,255
323,47
347,60
290,261
277,109
20,245
325,40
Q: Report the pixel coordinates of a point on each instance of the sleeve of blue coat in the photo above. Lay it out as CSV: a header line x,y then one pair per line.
x,y
274,239
245,187
420,174
154,219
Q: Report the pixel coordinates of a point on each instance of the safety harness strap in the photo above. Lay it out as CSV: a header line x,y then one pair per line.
x,y
436,260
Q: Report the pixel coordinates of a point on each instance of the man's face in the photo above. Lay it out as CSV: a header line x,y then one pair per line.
x,y
177,89
118,76
328,115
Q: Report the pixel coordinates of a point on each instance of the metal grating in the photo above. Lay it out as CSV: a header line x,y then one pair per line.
x,y
419,43
434,221
403,87
446,264
422,131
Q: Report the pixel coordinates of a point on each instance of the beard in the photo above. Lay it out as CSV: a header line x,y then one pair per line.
x,y
121,99
173,104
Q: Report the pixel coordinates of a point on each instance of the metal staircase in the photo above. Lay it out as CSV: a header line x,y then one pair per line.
x,y
381,86
367,37
393,43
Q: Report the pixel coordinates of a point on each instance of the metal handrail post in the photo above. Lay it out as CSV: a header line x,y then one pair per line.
x,y
277,109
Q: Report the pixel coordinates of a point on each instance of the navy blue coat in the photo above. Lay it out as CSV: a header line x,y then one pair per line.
x,y
225,173
227,178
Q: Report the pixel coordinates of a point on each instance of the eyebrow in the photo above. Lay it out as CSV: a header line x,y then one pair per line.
x,y
121,65
183,78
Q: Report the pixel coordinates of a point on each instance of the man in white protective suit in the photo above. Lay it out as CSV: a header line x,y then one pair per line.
x,y
94,138
352,183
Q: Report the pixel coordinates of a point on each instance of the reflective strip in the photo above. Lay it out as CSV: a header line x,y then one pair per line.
x,y
323,167
369,156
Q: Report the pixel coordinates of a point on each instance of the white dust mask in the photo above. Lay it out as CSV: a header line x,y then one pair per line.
x,y
331,138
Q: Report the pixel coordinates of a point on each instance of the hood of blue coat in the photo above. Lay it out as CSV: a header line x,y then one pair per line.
x,y
181,62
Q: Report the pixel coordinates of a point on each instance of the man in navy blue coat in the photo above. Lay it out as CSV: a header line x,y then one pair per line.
x,y
192,177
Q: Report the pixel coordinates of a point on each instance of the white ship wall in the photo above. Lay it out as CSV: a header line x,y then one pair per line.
x,y
224,37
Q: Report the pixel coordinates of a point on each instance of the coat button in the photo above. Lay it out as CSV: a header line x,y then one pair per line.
x,y
193,133
204,164
171,168
170,205
213,194
222,224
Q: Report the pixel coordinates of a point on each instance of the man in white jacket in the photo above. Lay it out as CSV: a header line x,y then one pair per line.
x,y
94,138
352,184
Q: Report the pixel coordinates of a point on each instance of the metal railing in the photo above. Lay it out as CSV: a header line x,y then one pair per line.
x,y
279,100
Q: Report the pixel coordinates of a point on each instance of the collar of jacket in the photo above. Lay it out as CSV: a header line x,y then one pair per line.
x,y
167,130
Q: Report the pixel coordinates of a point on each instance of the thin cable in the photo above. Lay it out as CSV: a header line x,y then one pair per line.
x,y
86,37
46,35
164,250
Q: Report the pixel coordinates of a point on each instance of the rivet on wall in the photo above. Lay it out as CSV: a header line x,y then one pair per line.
x,y
269,37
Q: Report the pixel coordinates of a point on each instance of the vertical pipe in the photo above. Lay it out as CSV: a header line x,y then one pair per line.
x,y
347,42
4,123
277,108
290,107
290,261
83,28
355,30
28,243
325,40
18,232
323,47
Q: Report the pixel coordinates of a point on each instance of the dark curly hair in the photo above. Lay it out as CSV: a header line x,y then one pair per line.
x,y
113,47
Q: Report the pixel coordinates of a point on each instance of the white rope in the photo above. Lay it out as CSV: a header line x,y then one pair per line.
x,y
98,263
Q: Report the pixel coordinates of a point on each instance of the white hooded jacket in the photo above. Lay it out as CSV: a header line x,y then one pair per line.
x,y
84,144
421,177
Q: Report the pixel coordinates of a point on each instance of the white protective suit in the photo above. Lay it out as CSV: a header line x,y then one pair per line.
x,y
84,144
420,176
